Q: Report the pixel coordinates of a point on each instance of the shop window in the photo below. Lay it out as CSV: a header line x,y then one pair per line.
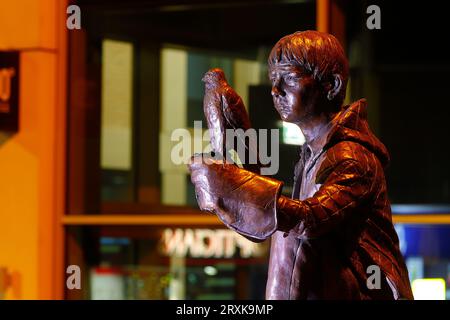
x,y
166,263
116,158
427,256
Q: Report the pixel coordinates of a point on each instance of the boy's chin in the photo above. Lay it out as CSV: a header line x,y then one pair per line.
x,y
288,118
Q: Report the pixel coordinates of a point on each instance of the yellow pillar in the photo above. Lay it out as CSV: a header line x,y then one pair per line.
x,y
330,18
323,15
32,160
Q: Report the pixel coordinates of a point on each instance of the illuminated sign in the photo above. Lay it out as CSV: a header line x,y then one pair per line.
x,y
429,289
9,91
207,243
291,133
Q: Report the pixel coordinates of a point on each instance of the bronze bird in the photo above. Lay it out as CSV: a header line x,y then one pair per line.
x,y
224,109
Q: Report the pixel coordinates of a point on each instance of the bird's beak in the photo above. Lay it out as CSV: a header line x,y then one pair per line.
x,y
205,77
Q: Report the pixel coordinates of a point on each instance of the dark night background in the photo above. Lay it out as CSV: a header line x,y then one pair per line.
x,y
401,69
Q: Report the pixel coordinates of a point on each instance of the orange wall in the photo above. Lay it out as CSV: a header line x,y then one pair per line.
x,y
32,161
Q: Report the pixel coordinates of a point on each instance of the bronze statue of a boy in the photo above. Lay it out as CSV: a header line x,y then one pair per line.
x,y
337,229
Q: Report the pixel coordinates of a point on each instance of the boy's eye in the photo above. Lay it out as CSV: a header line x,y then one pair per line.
x,y
291,78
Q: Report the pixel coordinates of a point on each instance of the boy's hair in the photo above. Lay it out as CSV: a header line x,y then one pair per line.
x,y
317,53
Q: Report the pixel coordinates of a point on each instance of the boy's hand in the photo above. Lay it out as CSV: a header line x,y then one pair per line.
x,y
243,200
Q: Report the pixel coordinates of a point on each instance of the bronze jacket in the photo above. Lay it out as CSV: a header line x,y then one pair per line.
x,y
338,228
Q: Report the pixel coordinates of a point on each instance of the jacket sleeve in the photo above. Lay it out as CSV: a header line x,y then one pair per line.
x,y
347,185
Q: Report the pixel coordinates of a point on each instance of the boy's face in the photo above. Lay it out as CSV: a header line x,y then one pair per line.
x,y
295,93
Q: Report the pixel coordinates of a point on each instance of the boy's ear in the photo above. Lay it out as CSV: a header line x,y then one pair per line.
x,y
335,86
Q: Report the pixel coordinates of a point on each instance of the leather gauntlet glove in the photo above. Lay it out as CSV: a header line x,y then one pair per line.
x,y
244,201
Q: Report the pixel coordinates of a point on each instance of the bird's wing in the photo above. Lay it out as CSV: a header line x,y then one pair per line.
x,y
213,113
234,110
237,117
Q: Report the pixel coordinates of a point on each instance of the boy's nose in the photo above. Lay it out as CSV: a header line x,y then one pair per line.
x,y
276,91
